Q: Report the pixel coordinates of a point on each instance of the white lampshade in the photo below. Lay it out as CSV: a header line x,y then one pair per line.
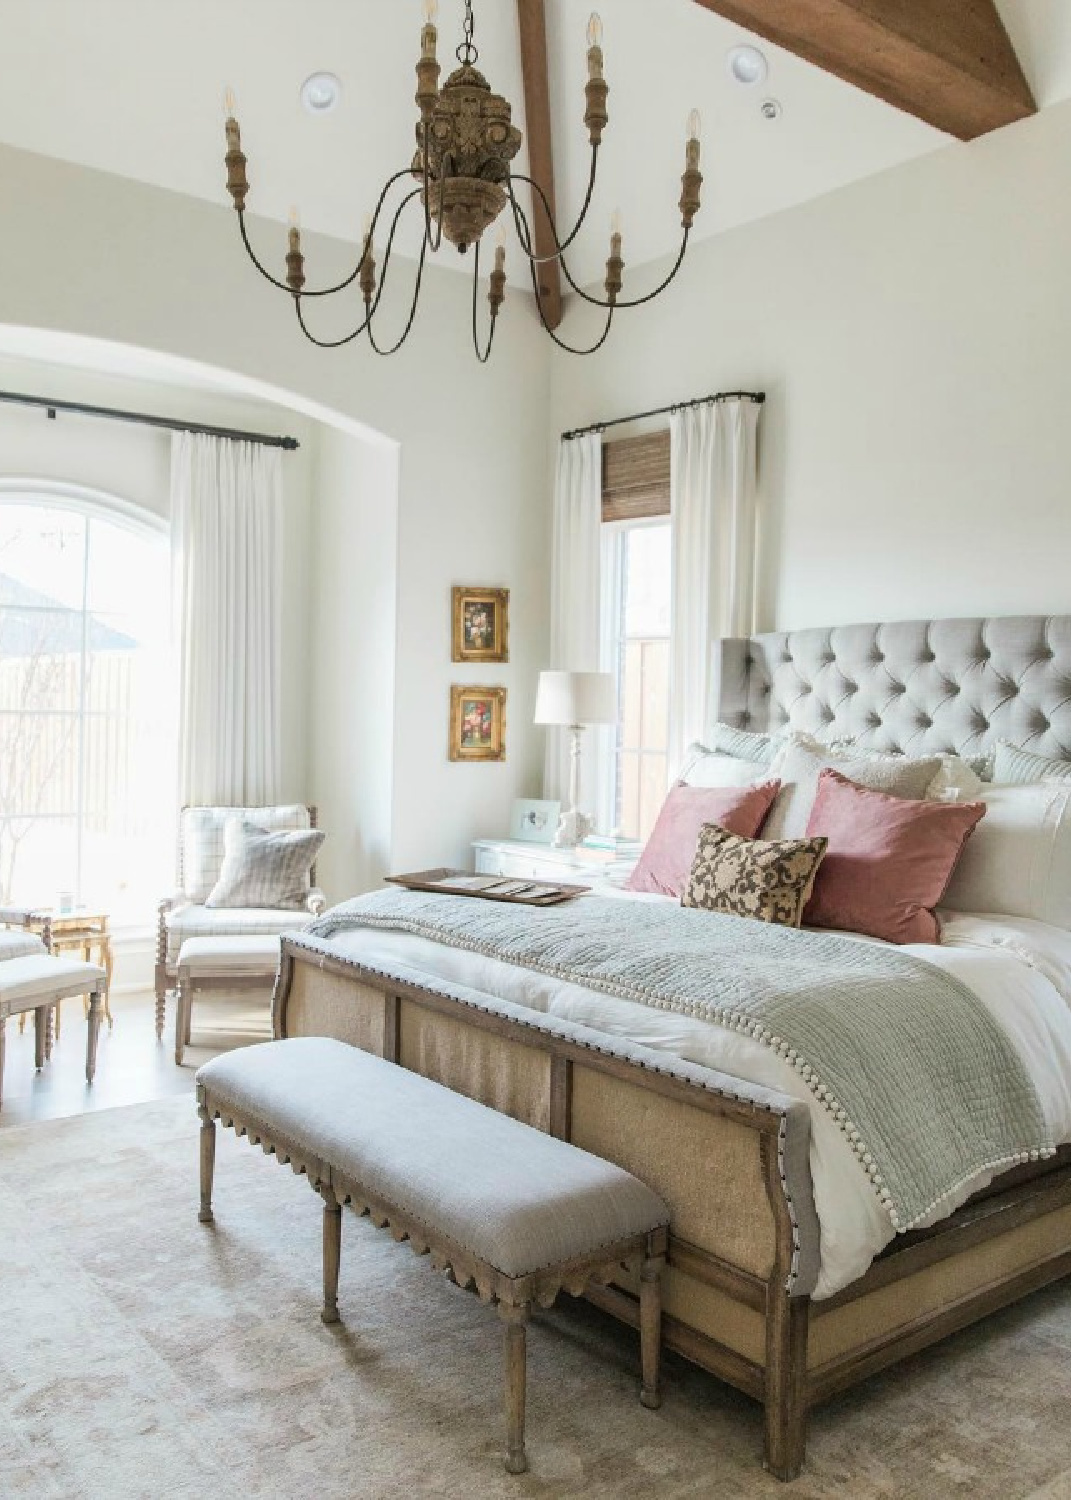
x,y
576,698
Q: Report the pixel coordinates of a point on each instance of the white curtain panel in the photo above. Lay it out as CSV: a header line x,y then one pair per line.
x,y
226,524
575,595
714,517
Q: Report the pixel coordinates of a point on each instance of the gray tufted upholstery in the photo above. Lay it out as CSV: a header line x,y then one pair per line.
x,y
916,686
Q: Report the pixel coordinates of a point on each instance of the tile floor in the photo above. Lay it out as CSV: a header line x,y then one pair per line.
x,y
132,1066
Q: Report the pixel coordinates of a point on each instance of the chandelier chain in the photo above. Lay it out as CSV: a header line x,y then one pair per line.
x,y
467,54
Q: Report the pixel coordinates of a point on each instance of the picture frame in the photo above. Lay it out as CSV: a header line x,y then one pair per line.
x,y
480,624
477,723
534,821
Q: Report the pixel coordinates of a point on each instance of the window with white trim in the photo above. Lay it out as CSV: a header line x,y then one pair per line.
x,y
636,626
87,744
640,659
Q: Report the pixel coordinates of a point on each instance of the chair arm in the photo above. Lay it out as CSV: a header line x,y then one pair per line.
x,y
171,903
315,901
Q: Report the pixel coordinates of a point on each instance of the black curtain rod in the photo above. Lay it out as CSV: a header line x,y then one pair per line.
x,y
658,411
80,408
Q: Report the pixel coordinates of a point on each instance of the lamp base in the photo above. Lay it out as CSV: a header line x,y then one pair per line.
x,y
573,827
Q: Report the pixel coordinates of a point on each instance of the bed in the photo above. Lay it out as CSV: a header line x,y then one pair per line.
x,y
757,1290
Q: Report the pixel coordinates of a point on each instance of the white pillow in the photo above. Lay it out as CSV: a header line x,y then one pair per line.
x,y
956,779
1018,860
705,767
802,762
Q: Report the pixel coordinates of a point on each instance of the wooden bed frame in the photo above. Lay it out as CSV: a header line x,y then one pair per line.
x,y
714,1148
714,1158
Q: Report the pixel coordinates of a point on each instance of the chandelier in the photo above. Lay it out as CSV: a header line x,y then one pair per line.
x,y
465,142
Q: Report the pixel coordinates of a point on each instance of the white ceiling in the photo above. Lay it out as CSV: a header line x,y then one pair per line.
x,y
135,87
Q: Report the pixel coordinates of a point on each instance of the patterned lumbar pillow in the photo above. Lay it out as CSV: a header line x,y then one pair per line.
x,y
770,881
265,869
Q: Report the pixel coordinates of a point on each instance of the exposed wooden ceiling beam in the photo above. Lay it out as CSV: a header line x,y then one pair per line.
x,y
533,24
949,62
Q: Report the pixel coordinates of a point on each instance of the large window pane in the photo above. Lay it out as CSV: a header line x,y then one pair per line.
x,y
643,677
86,738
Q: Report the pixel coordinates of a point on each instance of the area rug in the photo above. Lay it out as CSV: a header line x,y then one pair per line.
x,y
143,1354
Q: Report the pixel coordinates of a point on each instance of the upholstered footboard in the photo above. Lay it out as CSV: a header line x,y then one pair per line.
x,y
731,1162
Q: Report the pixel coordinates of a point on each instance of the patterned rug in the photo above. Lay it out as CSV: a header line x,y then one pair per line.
x,y
142,1354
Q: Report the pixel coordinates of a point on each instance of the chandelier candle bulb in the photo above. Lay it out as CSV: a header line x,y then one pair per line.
x,y
427,69
368,263
497,291
692,179
295,261
237,184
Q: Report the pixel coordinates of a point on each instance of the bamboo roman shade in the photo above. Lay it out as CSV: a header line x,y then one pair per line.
x,y
635,477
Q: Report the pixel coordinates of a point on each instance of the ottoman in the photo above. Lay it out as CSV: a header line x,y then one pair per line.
x,y
249,962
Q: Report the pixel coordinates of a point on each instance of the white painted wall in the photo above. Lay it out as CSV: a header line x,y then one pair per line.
x,y
108,258
913,333
354,623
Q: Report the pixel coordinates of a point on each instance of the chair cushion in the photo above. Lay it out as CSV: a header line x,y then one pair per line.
x,y
245,954
228,921
516,1198
16,944
36,979
265,868
201,835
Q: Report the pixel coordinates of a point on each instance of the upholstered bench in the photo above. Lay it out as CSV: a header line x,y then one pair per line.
x,y
498,1205
36,981
238,962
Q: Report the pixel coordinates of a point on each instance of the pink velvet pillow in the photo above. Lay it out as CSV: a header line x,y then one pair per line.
x,y
888,861
666,861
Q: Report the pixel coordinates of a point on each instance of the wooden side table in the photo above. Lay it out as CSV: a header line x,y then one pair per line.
x,y
78,931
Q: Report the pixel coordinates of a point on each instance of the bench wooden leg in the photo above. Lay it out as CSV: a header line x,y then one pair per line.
x,y
208,1163
40,1036
651,1330
332,1254
161,1008
516,1321
94,1033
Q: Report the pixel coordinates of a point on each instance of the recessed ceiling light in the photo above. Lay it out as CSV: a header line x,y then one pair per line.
x,y
320,93
747,65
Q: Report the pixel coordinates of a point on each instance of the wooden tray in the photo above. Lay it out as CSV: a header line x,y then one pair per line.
x,y
446,882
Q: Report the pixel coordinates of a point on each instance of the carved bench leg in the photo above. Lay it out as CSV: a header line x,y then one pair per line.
x,y
651,1330
332,1253
40,1036
515,1320
208,1163
94,1033
161,1006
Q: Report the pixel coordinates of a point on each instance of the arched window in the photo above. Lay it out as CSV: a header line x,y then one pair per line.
x,y
86,722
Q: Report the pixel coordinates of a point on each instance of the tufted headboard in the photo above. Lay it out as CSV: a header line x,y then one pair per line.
x,y
914,686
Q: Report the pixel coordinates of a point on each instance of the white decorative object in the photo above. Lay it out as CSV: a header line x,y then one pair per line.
x,y
226,517
712,511
534,821
572,700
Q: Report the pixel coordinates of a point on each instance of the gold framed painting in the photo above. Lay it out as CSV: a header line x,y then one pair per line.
x,y
477,723
481,624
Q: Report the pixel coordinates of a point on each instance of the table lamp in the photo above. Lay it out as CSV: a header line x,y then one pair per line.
x,y
571,700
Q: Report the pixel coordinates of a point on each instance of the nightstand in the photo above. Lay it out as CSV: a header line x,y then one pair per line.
x,y
520,860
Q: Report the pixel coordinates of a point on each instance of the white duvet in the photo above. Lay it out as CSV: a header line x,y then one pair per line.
x,y
1020,970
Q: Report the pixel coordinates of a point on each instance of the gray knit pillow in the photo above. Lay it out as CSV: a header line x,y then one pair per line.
x,y
265,869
